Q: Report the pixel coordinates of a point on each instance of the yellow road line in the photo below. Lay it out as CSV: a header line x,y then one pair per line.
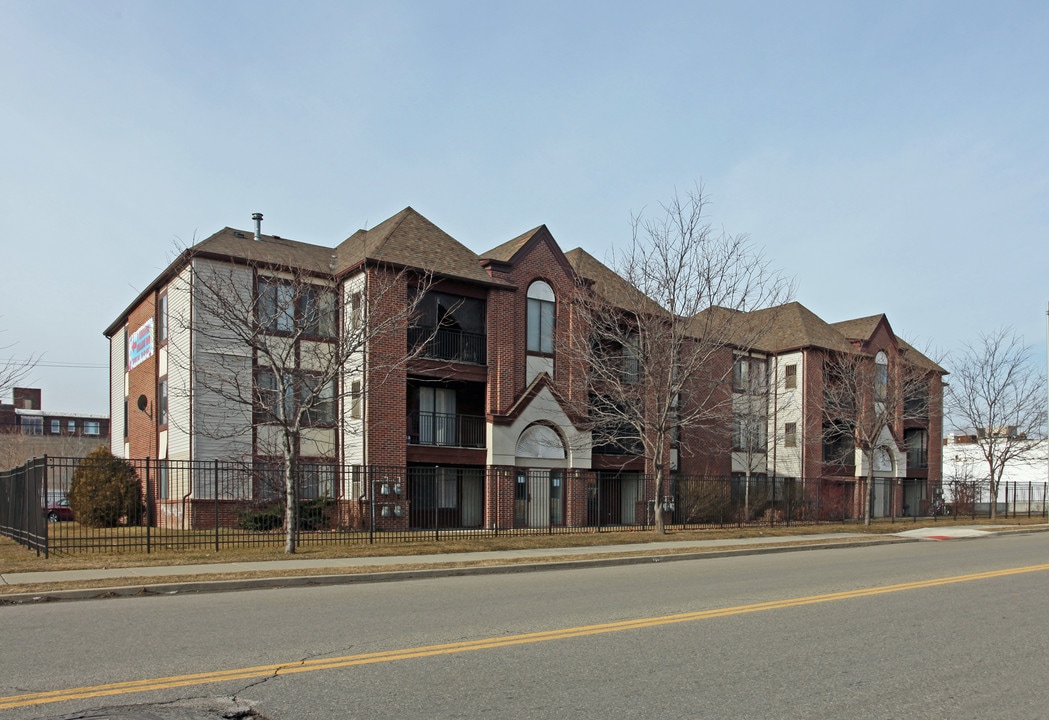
x,y
261,671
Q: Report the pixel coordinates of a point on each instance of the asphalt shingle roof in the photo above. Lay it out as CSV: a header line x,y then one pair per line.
x,y
608,284
410,240
508,249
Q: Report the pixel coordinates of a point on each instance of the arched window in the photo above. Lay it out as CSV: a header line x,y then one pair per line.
x,y
541,307
540,441
881,376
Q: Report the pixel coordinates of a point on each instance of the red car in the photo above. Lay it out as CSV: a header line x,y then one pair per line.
x,y
58,510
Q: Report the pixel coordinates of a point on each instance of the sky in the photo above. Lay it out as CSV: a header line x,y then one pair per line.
x,y
890,157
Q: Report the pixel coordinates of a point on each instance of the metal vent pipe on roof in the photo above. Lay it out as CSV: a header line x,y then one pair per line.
x,y
257,217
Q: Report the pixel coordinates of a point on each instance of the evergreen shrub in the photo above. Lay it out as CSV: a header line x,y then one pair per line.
x,y
104,490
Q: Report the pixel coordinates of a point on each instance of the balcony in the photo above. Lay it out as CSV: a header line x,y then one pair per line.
x,y
449,344
442,430
917,459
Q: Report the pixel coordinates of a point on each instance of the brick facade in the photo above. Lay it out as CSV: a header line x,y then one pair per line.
x,y
508,394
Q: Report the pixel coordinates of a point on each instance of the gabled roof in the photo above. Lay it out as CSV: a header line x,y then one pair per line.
x,y
268,249
410,240
510,252
609,285
506,251
406,240
790,326
861,329
920,359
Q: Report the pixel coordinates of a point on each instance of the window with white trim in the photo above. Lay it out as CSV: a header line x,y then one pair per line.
x,y
541,317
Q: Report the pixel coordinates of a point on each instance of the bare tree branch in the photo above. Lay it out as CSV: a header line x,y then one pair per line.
x,y
655,341
867,398
998,396
278,350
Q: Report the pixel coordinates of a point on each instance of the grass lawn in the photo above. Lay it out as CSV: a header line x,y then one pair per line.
x,y
15,558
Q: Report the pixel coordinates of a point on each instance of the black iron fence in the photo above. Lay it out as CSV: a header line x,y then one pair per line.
x,y
24,502
221,504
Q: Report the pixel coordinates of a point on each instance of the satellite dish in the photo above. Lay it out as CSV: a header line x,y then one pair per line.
x,y
142,403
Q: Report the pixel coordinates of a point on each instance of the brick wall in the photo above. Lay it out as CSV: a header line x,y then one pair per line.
x,y
385,394
142,380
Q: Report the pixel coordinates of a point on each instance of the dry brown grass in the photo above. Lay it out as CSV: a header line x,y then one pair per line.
x,y
15,558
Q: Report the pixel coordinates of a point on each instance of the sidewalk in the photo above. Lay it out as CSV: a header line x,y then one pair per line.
x,y
172,579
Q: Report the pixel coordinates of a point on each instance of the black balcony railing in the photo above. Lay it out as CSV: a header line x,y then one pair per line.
x,y
917,458
449,344
444,430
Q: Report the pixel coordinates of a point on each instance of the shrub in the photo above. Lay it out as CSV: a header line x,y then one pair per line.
x,y
105,489
263,520
313,515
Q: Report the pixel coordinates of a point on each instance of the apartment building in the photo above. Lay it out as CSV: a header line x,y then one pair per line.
x,y
469,415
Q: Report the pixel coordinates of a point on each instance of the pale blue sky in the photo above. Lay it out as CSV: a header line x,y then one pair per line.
x,y
892,156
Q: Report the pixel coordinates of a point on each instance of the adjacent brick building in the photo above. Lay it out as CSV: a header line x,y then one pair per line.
x,y
27,430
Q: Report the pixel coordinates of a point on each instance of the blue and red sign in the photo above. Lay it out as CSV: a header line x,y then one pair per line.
x,y
140,345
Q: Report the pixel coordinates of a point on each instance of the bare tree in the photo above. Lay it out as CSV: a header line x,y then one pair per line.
x,y
866,401
279,349
997,394
655,338
14,371
760,397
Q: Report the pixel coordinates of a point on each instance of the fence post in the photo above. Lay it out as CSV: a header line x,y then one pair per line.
x,y
371,504
47,530
216,505
149,512
496,475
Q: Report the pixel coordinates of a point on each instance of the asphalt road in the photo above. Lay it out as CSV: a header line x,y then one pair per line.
x,y
950,629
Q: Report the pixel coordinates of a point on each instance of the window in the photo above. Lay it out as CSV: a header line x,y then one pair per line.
x,y
72,424
92,427
32,425
355,400
355,311
839,446
790,376
916,404
163,483
790,435
316,481
162,402
162,318
749,434
917,442
56,427
317,307
881,376
284,306
675,420
541,315
748,375
276,395
276,305
631,359
319,401
437,416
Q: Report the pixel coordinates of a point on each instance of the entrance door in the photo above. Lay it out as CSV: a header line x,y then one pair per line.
x,y
620,493
539,498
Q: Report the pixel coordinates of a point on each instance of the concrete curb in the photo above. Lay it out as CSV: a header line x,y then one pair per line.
x,y
162,589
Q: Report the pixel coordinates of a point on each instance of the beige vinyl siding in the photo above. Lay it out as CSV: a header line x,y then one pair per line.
x,y
178,358
221,427
117,394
